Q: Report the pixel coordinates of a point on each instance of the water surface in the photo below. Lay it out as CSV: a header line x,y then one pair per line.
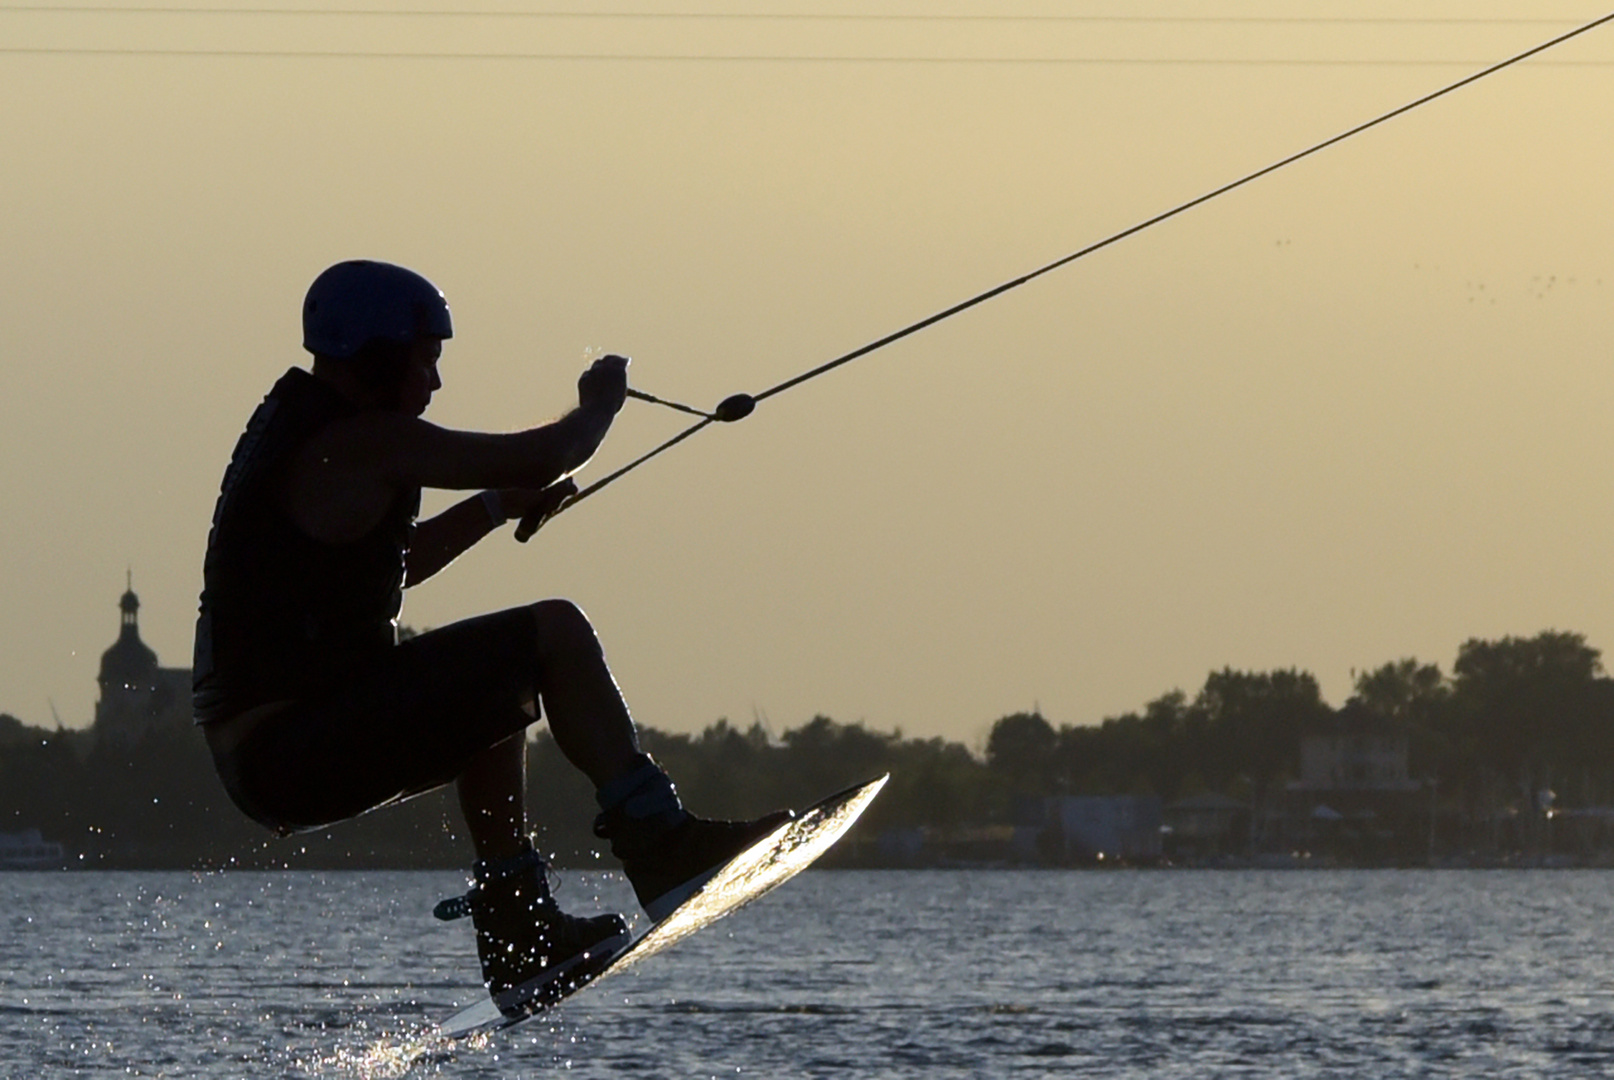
x,y
872,974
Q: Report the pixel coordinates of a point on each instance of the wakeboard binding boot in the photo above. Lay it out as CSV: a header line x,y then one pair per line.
x,y
667,853
532,953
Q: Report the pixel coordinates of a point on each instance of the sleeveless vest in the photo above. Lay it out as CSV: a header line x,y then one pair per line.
x,y
284,615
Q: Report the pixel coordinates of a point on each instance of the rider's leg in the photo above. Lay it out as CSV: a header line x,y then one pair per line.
x,y
492,792
666,853
581,700
587,717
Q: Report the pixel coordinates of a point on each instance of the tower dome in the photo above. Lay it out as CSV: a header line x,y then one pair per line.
x,y
130,664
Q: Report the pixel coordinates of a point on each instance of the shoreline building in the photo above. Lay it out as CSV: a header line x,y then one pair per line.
x,y
28,850
1355,798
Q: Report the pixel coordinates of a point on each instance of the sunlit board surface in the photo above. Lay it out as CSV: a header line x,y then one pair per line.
x,y
759,869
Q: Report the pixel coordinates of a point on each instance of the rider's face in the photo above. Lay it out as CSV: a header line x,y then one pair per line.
x,y
420,378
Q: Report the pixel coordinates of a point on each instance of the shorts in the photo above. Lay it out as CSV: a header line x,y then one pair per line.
x,y
402,724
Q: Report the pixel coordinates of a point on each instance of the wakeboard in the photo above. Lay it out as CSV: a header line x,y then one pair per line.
x,y
762,867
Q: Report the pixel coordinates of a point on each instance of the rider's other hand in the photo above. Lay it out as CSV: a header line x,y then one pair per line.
x,y
537,505
604,386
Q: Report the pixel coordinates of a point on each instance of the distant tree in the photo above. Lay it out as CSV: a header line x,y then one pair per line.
x,y
1253,722
1404,690
1512,665
939,784
827,755
1417,699
1129,754
1021,750
14,732
1529,710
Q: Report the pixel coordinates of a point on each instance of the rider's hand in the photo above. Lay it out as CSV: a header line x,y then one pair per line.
x,y
535,507
604,386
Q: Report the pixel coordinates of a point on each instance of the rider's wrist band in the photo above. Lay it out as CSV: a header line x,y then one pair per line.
x,y
495,507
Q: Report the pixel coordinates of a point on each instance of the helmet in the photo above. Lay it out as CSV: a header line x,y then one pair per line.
x,y
354,303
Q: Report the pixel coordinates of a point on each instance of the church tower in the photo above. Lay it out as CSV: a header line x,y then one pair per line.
x,y
137,695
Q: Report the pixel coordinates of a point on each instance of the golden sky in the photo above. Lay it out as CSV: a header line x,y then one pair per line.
x,y
1356,411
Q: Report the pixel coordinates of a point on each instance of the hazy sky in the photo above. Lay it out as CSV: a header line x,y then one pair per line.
x,y
1356,411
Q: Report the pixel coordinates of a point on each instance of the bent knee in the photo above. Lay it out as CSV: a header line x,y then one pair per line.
x,y
561,622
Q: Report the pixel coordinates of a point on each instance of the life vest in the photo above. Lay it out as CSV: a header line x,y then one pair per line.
x,y
283,615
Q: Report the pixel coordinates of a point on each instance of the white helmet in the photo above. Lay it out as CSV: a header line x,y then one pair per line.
x,y
356,302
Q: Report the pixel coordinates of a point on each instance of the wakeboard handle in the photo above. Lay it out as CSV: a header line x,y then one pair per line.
x,y
732,408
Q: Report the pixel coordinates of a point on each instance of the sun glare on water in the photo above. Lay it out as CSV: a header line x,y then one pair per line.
x,y
395,1055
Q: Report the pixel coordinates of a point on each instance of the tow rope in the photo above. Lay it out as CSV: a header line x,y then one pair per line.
x,y
739,406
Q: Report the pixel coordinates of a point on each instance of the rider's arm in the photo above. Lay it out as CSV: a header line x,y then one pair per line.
x,y
409,451
347,476
440,540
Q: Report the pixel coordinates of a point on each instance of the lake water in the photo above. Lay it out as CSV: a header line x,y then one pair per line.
x,y
1164,974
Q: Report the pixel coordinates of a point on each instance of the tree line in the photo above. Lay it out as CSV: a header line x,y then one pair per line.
x,y
1515,717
